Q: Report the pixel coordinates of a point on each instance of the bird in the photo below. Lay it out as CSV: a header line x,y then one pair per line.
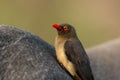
x,y
71,54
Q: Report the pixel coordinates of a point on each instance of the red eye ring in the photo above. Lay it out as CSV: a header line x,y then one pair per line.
x,y
65,28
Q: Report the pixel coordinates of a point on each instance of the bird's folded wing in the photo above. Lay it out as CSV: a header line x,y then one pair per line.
x,y
77,55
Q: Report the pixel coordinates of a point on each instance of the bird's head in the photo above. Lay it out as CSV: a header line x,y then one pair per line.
x,y
65,30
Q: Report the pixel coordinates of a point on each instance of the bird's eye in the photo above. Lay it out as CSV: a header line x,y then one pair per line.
x,y
65,28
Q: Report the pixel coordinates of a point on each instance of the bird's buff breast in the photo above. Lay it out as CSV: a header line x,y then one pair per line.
x,y
62,58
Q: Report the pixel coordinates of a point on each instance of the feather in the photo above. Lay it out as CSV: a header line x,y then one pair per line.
x,y
77,55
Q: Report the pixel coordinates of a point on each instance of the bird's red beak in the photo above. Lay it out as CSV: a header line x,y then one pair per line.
x,y
57,27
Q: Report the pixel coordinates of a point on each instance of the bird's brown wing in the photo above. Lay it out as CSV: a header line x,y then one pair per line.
x,y
77,55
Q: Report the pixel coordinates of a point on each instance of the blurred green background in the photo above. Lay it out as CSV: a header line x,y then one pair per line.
x,y
96,21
